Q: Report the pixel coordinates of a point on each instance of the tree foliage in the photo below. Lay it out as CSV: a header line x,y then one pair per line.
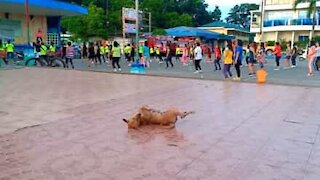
x,y
216,14
87,26
240,14
104,16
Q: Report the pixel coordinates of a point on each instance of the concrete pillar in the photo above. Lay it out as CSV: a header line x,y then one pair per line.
x,y
277,36
292,38
310,35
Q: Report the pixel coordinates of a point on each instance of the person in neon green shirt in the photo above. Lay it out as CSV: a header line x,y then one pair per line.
x,y
43,51
116,54
158,54
152,53
107,50
103,52
52,49
178,53
140,50
10,50
127,52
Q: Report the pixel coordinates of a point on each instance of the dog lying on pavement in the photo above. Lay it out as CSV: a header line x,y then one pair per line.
x,y
146,116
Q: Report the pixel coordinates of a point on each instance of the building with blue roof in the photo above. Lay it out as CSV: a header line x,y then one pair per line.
x,y
43,14
228,29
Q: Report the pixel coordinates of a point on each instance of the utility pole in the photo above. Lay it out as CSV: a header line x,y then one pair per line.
x,y
262,20
150,26
137,28
106,11
27,20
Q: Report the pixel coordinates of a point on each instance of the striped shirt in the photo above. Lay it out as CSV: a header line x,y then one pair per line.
x,y
70,52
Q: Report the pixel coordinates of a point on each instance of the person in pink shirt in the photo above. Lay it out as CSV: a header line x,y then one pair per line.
x,y
311,56
39,35
185,55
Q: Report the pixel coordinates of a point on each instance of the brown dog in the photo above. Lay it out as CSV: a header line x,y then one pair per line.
x,y
146,116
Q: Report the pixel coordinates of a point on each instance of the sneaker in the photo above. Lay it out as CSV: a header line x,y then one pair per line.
x,y
293,66
236,79
129,64
196,72
277,69
119,69
114,70
200,71
310,74
250,74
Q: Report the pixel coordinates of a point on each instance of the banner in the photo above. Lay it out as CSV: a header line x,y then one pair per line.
x,y
129,14
129,28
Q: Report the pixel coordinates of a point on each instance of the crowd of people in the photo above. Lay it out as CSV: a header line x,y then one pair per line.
x,y
231,53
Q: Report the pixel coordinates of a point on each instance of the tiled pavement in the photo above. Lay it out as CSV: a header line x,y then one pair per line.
x,y
58,124
296,77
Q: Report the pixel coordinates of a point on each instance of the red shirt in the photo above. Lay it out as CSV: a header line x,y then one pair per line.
x,y
217,52
277,51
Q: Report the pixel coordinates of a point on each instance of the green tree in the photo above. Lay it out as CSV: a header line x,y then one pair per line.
x,y
87,26
174,19
312,10
197,9
240,14
105,17
216,14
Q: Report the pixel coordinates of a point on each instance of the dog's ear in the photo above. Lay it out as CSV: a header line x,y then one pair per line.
x,y
126,121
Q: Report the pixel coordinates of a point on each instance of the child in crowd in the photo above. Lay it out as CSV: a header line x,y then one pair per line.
x,y
69,55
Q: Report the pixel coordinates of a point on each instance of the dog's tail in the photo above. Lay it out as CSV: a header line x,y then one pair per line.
x,y
186,113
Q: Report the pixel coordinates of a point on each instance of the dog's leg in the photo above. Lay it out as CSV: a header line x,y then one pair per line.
x,y
171,126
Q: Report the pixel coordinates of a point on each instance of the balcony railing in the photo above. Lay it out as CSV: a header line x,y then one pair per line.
x,y
290,22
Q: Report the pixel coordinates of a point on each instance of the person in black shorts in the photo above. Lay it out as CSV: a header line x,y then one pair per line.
x,y
91,54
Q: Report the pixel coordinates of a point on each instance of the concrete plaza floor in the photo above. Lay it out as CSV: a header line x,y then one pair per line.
x,y
295,76
59,124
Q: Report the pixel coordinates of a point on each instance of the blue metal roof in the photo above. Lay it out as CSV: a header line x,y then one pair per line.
x,y
184,31
226,25
43,7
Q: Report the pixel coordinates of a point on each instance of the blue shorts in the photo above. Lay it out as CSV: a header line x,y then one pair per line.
x,y
252,60
10,55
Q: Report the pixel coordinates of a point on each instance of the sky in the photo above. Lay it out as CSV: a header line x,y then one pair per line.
x,y
226,5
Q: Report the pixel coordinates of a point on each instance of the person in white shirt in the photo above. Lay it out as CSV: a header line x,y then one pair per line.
x,y
198,58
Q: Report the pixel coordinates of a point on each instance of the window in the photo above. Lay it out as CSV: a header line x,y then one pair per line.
x,y
303,38
303,14
53,37
279,15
